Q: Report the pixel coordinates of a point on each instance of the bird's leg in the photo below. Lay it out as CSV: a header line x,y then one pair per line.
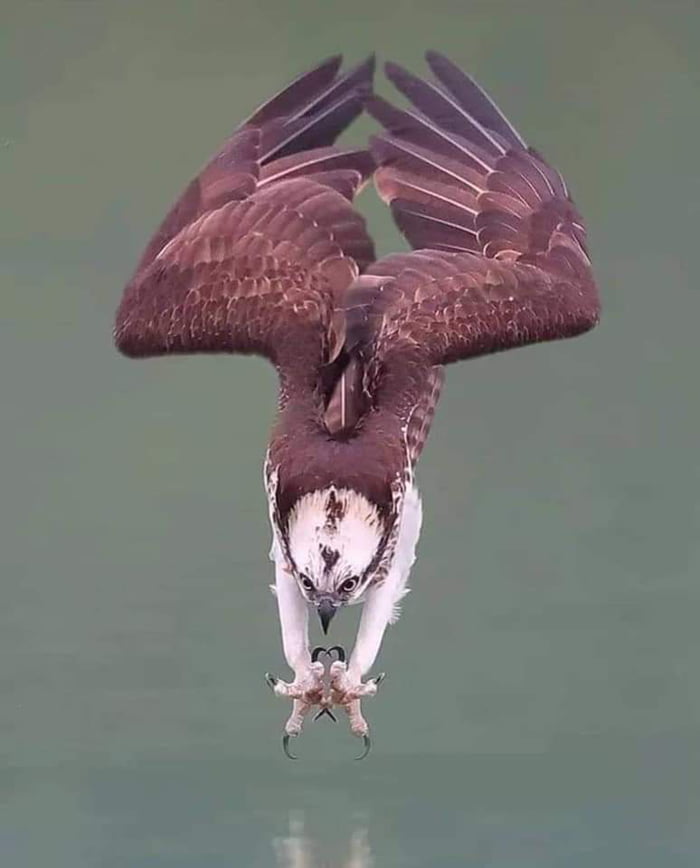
x,y
307,688
347,687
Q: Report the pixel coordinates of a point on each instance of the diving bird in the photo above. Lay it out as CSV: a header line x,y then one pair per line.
x,y
264,253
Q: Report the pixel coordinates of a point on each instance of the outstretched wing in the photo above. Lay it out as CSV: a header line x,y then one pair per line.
x,y
262,244
501,259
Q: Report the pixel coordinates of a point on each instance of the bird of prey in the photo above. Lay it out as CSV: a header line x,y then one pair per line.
x,y
264,253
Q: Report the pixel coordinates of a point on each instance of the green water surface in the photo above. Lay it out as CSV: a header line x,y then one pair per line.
x,y
542,704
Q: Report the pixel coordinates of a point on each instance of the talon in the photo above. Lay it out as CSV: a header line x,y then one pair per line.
x,y
318,650
367,745
271,681
328,712
285,747
377,680
339,650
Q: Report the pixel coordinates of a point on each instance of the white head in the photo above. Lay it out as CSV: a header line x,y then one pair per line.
x,y
335,540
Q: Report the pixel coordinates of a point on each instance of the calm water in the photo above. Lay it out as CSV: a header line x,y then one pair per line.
x,y
543,702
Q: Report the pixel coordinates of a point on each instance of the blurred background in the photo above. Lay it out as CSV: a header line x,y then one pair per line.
x,y
543,701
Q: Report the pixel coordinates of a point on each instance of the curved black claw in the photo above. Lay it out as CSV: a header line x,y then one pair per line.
x,y
316,653
285,747
271,681
328,712
328,652
368,744
339,650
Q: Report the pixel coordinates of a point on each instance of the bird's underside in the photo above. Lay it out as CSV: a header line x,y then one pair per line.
x,y
264,253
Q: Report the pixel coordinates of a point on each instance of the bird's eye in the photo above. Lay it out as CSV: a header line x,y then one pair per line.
x,y
349,584
306,583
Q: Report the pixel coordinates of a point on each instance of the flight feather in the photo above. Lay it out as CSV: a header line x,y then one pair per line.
x,y
259,249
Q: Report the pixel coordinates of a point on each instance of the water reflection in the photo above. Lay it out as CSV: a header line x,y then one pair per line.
x,y
296,849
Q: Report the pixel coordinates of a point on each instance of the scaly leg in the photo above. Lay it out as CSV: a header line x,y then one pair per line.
x,y
307,688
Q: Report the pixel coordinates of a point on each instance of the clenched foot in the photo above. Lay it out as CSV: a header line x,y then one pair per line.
x,y
307,686
347,691
306,691
347,688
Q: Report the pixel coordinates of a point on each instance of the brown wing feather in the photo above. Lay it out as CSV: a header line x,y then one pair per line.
x,y
258,276
503,262
423,413
257,251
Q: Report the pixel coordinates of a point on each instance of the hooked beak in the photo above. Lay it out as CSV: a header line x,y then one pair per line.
x,y
326,610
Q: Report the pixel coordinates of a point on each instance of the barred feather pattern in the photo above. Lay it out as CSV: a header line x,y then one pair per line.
x,y
261,246
500,257
264,253
421,418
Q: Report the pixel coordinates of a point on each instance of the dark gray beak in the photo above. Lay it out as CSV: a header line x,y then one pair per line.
x,y
326,610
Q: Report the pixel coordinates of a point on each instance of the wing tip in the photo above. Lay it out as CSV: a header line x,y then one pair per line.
x,y
397,73
436,60
316,79
315,108
364,75
376,105
333,61
361,75
369,64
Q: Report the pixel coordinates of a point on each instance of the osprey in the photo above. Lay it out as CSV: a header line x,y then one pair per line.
x,y
263,253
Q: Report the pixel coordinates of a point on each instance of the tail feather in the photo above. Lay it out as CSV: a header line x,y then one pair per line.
x,y
348,402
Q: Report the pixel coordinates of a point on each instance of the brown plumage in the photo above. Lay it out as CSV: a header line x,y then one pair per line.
x,y
264,253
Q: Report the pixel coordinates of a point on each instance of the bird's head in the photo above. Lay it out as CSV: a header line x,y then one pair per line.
x,y
335,538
